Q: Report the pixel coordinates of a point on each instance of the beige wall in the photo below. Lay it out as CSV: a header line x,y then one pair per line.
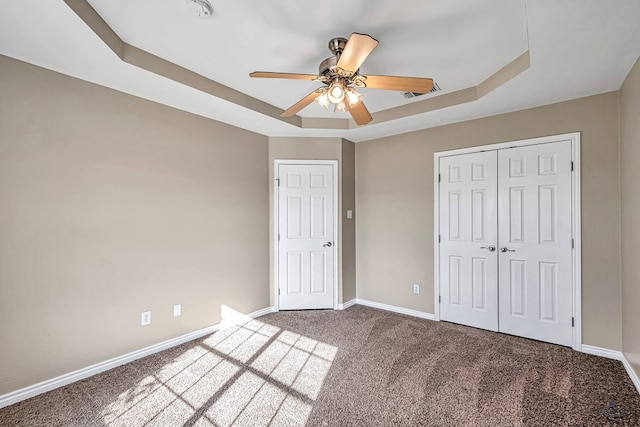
x,y
394,197
290,148
348,176
630,214
111,205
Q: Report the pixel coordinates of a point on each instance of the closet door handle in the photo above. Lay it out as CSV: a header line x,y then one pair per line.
x,y
489,248
506,249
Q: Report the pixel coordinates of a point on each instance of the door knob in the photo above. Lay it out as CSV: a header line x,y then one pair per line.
x,y
506,249
491,248
328,245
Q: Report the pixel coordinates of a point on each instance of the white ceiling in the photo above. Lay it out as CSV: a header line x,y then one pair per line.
x,y
577,48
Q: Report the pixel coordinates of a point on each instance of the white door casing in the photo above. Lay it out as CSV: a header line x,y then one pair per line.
x,y
468,233
538,219
534,216
306,236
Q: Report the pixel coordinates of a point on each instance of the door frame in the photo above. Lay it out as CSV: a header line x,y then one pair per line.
x,y
276,223
576,227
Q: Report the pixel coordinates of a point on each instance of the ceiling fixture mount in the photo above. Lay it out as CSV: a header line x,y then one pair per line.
x,y
199,8
341,72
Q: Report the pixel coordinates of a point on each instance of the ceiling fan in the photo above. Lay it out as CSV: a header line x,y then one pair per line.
x,y
341,72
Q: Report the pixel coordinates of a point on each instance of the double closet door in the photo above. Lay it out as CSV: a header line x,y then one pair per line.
x,y
506,241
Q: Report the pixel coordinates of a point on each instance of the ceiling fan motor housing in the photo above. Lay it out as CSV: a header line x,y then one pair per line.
x,y
328,66
329,72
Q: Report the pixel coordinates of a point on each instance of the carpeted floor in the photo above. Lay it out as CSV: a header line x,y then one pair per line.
x,y
357,367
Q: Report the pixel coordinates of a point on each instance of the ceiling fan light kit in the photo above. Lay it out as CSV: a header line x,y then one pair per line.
x,y
338,95
340,72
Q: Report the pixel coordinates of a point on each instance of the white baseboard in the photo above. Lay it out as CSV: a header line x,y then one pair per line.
x,y
395,309
602,352
632,373
80,374
347,304
617,355
262,312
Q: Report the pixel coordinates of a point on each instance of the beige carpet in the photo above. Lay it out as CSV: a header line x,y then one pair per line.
x,y
358,367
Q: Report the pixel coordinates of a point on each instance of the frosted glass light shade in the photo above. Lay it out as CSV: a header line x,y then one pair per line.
x,y
336,92
353,97
341,107
323,100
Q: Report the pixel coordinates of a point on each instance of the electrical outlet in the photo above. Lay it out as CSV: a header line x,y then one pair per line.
x,y
416,288
177,310
145,318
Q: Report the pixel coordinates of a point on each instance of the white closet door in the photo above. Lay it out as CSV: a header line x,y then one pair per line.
x,y
535,264
468,228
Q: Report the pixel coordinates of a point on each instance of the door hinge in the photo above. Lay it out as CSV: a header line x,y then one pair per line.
x,y
278,291
278,237
278,181
573,243
571,166
439,299
438,177
439,238
573,322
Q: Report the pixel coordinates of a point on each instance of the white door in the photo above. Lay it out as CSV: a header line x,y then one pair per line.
x,y
518,201
468,233
306,246
535,263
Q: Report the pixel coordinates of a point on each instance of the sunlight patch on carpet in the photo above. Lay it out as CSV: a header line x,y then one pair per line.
x,y
248,373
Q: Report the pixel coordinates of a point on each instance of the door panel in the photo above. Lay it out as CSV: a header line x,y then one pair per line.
x,y
468,273
534,217
306,242
518,199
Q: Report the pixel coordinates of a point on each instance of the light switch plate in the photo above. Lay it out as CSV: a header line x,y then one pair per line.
x,y
145,318
349,214
177,310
